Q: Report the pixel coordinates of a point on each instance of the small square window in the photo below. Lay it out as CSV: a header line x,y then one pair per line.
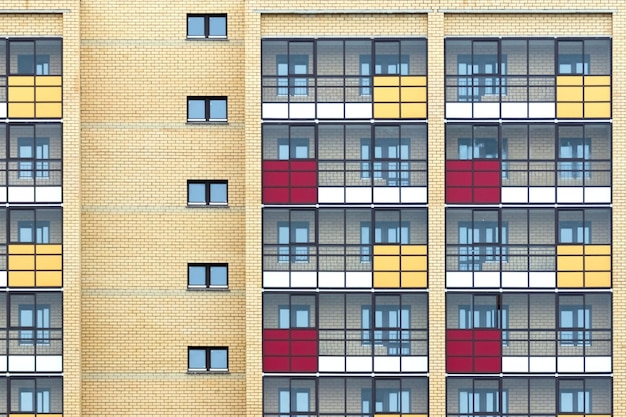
x,y
208,275
206,26
207,109
205,359
207,193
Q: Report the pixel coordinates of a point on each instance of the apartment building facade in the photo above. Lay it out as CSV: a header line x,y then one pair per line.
x,y
279,208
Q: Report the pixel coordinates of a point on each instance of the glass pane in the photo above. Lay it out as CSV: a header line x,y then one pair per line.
x,y
219,275
218,193
197,193
217,26
218,359
197,359
196,110
197,275
195,26
217,109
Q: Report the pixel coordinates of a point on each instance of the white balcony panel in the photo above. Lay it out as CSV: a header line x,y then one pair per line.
x,y
49,363
414,195
358,364
386,364
358,110
330,111
21,194
332,364
358,195
598,364
515,279
332,279
459,279
302,110
541,110
48,195
3,194
275,111
597,194
514,110
358,279
486,110
3,110
571,364
21,363
386,194
3,363
414,363
514,364
542,364
487,279
303,279
273,279
569,194
331,195
542,279
514,194
458,110
3,278
541,195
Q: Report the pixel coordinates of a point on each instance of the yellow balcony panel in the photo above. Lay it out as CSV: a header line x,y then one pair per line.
x,y
414,263
49,94
598,110
597,94
388,415
571,415
49,249
569,279
50,80
49,110
49,262
597,249
386,250
597,80
597,263
386,81
413,81
386,263
386,280
22,110
598,279
414,279
569,94
570,249
386,94
569,110
21,262
21,249
569,80
386,110
23,80
413,111
49,279
414,249
413,94
569,263
21,94
29,415
21,278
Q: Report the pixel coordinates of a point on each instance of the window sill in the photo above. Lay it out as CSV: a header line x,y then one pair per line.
x,y
211,205
207,38
210,371
208,122
214,288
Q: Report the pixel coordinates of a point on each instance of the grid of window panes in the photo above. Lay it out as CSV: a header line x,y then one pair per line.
x,y
31,396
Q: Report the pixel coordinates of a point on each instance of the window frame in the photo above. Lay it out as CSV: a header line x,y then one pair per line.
x,y
207,109
207,26
40,334
382,335
207,193
288,82
39,400
207,359
578,334
207,276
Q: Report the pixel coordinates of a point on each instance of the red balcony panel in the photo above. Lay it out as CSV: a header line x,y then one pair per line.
x,y
276,334
303,179
303,165
487,179
487,165
275,347
303,195
304,364
487,195
458,178
488,334
276,363
458,195
275,195
459,364
275,179
275,166
459,334
488,348
302,348
300,334
458,348
488,364
459,165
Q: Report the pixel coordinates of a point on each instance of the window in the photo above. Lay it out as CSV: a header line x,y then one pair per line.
x,y
296,316
208,359
207,275
207,193
35,57
294,401
483,76
290,235
574,64
574,325
38,324
388,400
390,328
34,155
481,148
485,317
206,26
389,161
385,65
384,232
206,109
575,401
574,154
288,68
482,402
34,400
294,148
34,232
481,242
575,232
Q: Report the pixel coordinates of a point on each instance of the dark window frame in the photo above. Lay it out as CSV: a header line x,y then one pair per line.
x,y
207,276
207,193
207,351
207,26
207,109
